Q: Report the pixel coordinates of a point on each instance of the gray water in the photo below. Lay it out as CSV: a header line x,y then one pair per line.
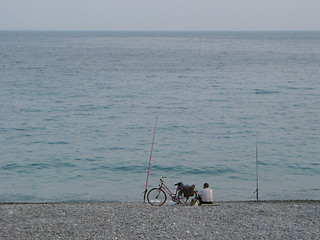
x,y
78,109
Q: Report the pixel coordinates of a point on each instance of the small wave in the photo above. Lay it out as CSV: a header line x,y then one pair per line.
x,y
150,76
298,169
58,142
11,166
122,169
35,166
132,169
265,92
297,88
39,165
194,171
315,164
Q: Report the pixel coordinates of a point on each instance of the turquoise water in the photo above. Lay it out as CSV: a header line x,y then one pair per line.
x,y
78,111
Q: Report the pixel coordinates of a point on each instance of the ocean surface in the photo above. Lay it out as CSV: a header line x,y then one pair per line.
x,y
78,110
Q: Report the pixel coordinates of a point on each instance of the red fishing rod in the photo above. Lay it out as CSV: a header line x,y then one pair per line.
x,y
154,133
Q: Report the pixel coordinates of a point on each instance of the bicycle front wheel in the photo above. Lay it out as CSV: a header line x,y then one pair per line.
x,y
156,197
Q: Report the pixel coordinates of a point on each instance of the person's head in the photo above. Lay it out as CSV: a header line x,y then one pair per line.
x,y
206,185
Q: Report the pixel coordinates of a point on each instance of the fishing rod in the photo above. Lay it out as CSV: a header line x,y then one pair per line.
x,y
154,133
257,173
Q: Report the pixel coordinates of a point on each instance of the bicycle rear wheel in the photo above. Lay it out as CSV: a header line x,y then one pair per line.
x,y
186,200
156,197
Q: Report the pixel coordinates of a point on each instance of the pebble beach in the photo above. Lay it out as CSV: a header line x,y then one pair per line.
x,y
132,220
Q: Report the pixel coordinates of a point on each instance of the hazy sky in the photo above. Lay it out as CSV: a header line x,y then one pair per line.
x,y
159,14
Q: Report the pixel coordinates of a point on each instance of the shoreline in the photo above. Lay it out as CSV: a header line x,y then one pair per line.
x,y
231,201
275,219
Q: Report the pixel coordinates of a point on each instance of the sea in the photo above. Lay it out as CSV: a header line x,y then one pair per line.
x,y
238,110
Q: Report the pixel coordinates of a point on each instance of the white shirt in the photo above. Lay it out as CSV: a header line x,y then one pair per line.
x,y
206,195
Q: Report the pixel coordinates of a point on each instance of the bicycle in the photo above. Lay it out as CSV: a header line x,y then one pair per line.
x,y
158,196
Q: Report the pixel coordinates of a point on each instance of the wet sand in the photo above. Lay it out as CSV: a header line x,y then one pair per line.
x,y
119,220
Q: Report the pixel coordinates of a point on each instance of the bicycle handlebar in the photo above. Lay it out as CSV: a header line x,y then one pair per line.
x,y
161,179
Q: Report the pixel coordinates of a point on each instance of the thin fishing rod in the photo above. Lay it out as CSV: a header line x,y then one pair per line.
x,y
257,173
154,133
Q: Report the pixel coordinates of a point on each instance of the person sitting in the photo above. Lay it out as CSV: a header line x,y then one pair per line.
x,y
205,195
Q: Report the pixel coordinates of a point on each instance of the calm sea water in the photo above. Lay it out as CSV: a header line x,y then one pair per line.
x,y
78,109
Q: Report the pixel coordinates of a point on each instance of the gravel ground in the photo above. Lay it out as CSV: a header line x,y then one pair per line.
x,y
117,220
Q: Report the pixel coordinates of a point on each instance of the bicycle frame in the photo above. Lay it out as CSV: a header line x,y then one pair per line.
x,y
167,190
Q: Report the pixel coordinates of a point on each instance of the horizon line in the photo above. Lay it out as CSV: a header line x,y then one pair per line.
x,y
57,30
